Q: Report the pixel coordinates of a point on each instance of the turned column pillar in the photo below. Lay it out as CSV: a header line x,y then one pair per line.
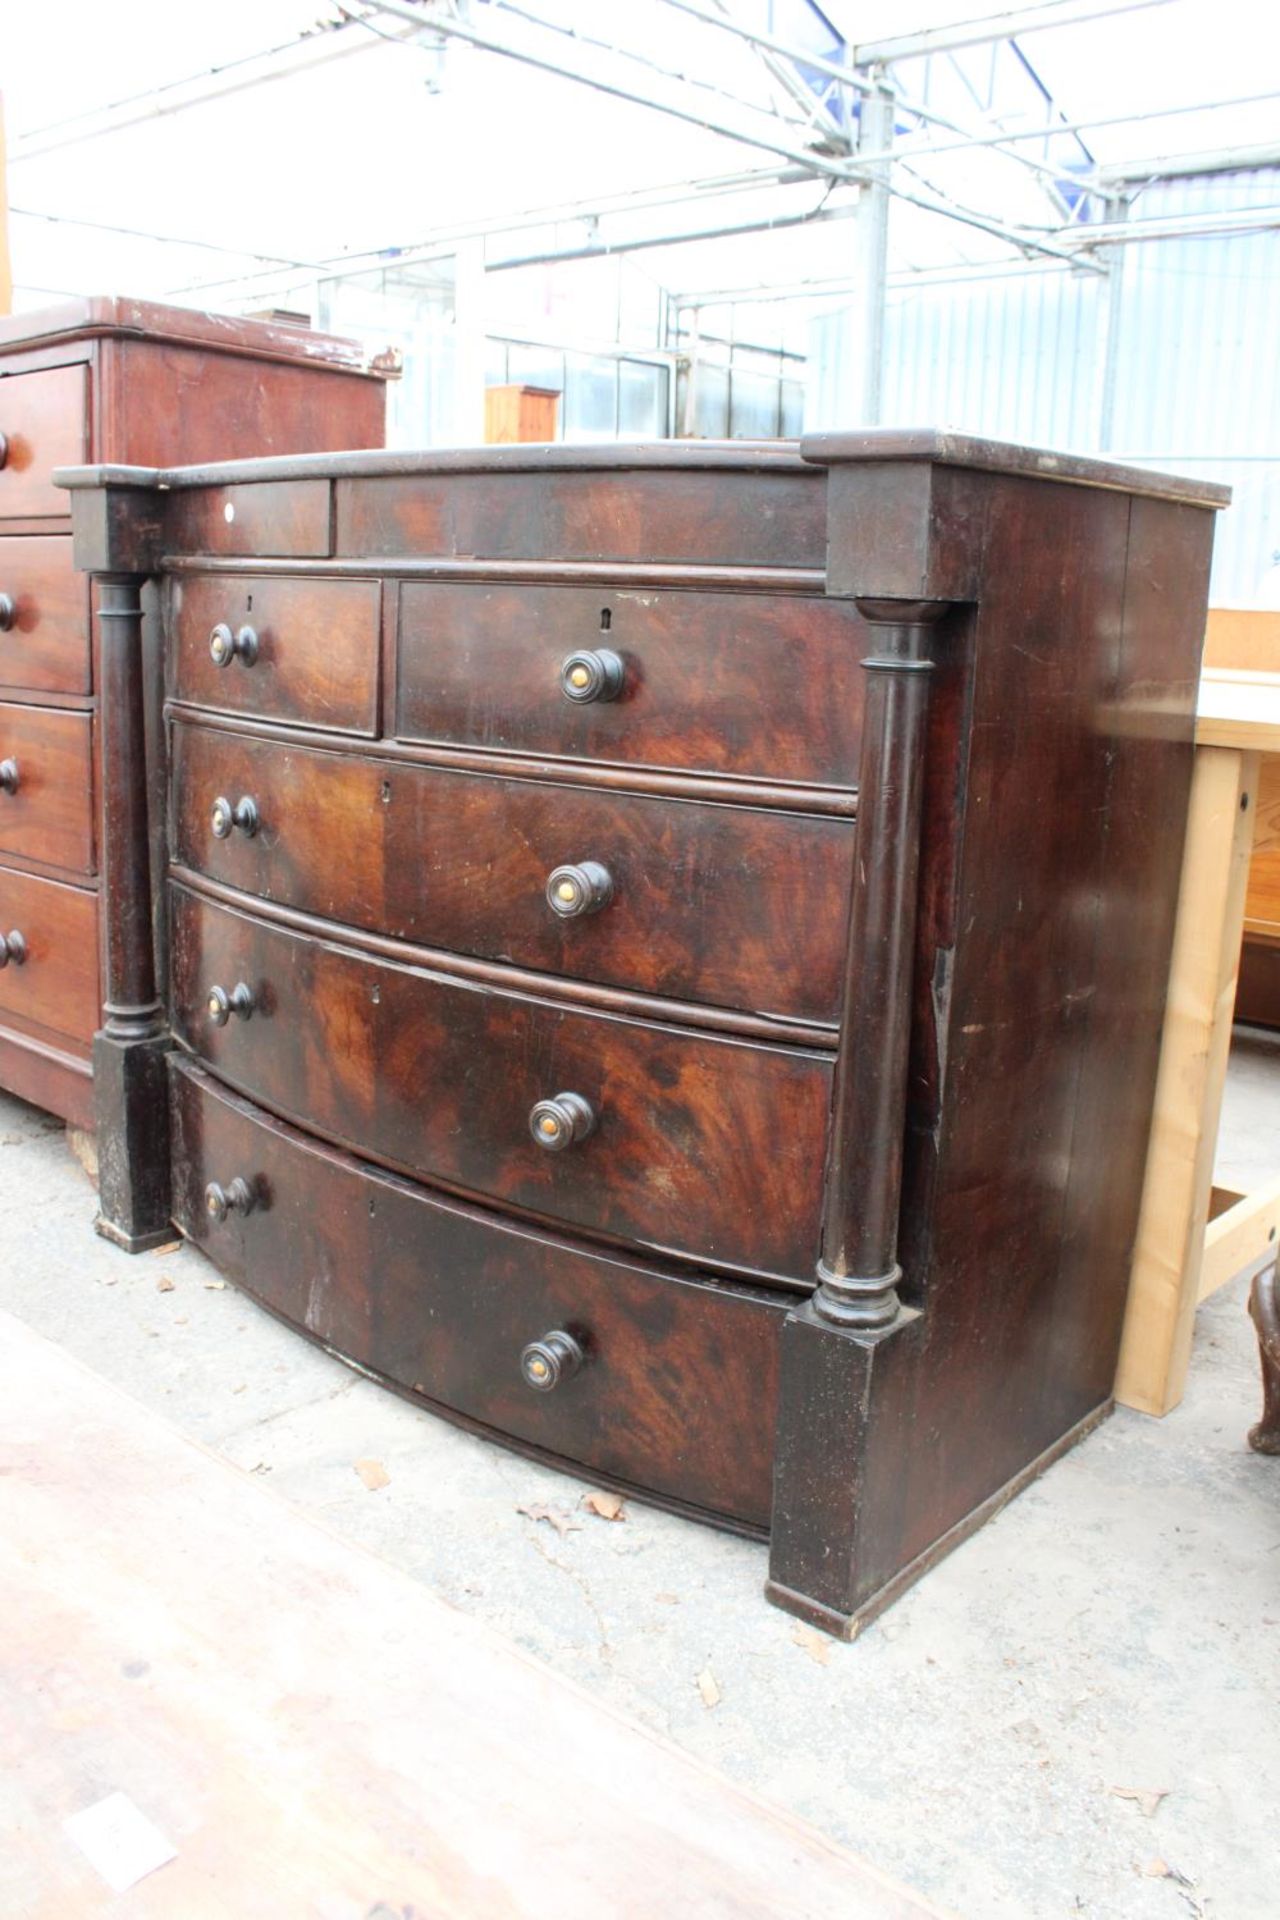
x,y
858,1270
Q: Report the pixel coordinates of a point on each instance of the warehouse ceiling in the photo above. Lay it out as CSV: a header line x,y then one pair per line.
x,y
218,154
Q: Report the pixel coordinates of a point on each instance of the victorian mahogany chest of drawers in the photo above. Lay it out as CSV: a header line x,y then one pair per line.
x,y
107,379
666,948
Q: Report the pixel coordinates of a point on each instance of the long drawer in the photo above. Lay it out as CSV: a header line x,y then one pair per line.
x,y
715,1145
44,419
50,977
754,685
285,649
676,1389
46,786
737,907
44,616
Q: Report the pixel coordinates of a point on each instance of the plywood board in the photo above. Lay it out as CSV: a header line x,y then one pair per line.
x,y
312,1732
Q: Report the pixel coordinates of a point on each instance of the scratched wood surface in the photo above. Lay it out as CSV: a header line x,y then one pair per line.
x,y
314,1733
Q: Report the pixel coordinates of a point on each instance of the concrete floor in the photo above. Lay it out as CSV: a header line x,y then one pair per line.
x,y
1116,1631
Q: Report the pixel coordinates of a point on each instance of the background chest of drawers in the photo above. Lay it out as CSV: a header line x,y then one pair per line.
x,y
667,948
116,380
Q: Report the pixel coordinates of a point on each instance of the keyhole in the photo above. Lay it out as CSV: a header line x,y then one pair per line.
x,y
606,619
248,605
375,994
386,793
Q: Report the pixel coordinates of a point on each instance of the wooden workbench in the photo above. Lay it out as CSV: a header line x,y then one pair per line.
x,y
316,1735
1189,1243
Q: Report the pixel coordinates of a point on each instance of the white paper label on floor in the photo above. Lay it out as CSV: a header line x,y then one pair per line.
x,y
119,1841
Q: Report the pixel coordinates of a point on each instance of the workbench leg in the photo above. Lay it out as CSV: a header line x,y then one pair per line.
x,y
1165,1280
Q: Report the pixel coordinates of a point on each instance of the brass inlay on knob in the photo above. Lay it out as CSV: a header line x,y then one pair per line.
x,y
594,674
13,947
8,611
576,890
223,817
236,1197
561,1122
225,646
222,1004
8,776
545,1363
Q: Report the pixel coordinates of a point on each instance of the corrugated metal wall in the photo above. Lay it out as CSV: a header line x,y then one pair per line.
x,y
1196,379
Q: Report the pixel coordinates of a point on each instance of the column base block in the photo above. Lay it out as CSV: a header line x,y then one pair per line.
x,y
131,1097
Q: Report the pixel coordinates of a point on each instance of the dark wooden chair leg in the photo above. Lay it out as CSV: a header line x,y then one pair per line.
x,y
1264,1307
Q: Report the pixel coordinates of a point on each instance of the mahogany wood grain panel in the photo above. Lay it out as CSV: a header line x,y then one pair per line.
x,y
56,987
318,643
50,817
45,420
757,519
733,906
170,405
727,683
678,1390
47,648
58,1078
703,1147
284,518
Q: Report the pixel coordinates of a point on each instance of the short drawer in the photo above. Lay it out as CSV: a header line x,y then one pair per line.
x,y
693,1144
44,616
46,786
304,650
44,420
736,907
50,975
762,686
676,1391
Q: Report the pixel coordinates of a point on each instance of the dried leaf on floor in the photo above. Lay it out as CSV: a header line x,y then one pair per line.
x,y
815,1644
554,1516
373,1474
605,1506
164,1284
1147,1798
709,1688
667,1599
170,1246
215,1286
1161,1870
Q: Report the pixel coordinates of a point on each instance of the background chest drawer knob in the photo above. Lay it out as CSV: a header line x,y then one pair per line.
x,y
225,646
585,888
13,947
8,776
8,611
592,675
235,1197
545,1363
559,1123
222,1004
224,817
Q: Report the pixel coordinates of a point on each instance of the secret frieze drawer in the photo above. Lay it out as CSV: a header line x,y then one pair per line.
x,y
738,907
277,648
659,1379
763,686
683,1142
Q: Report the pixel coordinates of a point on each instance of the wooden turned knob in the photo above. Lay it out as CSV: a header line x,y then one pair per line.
x,y
235,1197
559,1123
222,1004
592,675
8,611
584,888
224,817
545,1363
13,947
4,449
8,776
225,646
